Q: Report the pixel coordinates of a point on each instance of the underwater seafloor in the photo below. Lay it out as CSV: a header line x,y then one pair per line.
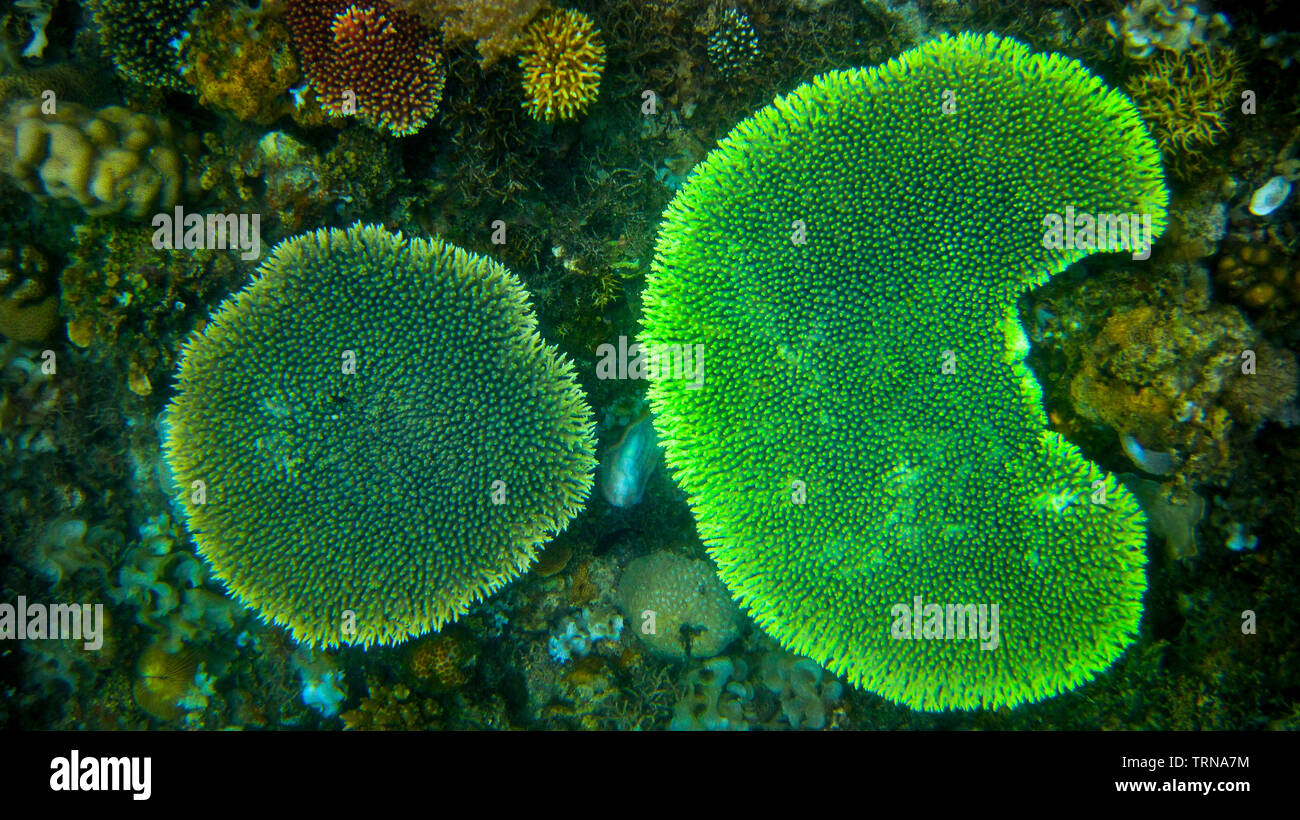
x,y
1138,361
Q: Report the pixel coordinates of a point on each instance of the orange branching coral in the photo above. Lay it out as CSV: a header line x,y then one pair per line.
x,y
369,59
562,61
496,26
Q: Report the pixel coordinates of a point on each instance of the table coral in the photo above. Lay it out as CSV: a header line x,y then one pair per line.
x,y
867,433
374,494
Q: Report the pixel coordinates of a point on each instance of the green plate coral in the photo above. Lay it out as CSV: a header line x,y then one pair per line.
x,y
372,435
867,438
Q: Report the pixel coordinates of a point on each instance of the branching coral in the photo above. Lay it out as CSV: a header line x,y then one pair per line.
x,y
562,60
371,60
1186,98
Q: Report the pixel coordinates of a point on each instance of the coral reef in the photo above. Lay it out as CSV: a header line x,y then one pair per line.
x,y
691,613
802,689
371,60
321,679
393,707
788,692
443,662
132,303
165,681
241,62
170,589
35,17
1148,27
1176,382
562,58
1171,515
67,547
141,37
1261,275
577,636
828,488
107,161
293,184
67,80
502,459
497,27
713,697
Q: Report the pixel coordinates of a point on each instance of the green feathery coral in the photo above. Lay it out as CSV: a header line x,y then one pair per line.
x,y
375,425
867,432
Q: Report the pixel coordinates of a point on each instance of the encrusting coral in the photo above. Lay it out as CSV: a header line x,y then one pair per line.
x,y
240,61
1174,381
495,26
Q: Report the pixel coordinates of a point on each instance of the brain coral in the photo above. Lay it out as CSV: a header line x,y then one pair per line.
x,y
686,598
867,432
109,161
378,428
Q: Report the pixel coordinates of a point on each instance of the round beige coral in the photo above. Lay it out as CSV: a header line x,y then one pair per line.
x,y
677,606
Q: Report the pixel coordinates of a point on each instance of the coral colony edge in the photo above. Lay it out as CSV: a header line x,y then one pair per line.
x,y
704,365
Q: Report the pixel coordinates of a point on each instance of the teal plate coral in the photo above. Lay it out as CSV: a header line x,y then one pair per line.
x,y
372,436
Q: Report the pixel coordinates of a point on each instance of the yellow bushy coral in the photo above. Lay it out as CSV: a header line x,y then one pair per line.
x,y
1185,97
562,60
